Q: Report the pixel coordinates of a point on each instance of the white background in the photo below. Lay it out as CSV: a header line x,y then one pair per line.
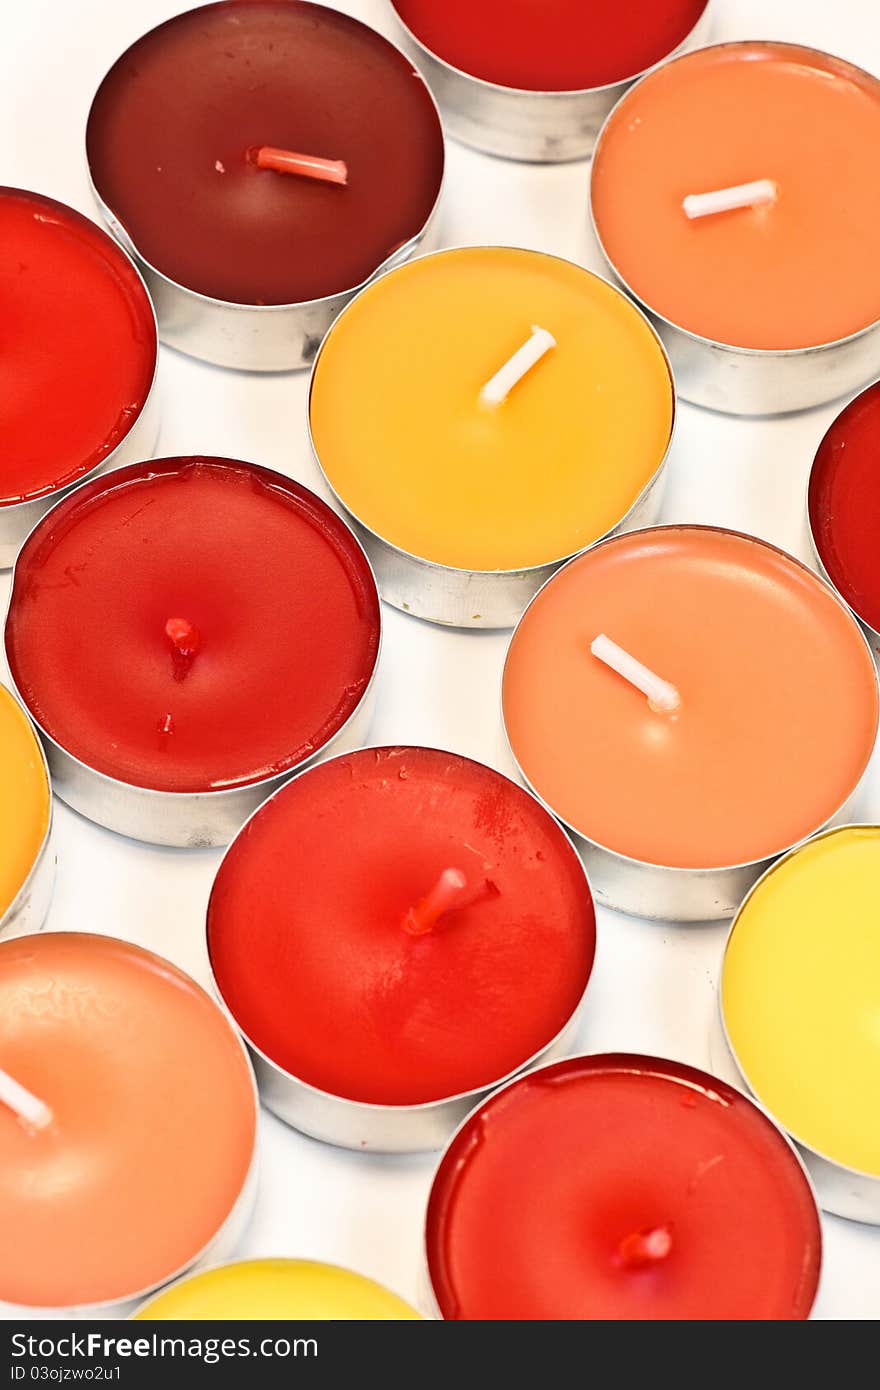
x,y
654,985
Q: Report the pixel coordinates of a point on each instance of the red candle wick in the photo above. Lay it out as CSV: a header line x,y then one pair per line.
x,y
307,165
646,1247
450,891
185,642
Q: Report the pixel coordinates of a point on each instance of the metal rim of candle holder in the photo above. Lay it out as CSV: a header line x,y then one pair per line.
x,y
844,1191
18,519
242,1260
753,381
633,1059
871,633
228,1233
30,907
257,337
668,892
520,123
368,1126
449,595
191,820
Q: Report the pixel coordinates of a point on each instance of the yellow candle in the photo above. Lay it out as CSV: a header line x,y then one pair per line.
x,y
416,454
283,1289
24,798
800,992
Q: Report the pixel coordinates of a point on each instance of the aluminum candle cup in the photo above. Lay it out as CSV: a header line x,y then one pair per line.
x,y
804,947
843,508
27,863
127,1104
394,933
766,299
80,362
146,677
256,218
482,414
678,805
518,84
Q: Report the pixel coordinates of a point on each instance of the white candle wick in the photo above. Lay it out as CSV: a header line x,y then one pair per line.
x,y
662,695
740,195
34,1112
498,387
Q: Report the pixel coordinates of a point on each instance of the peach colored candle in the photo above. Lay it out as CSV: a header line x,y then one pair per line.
x,y
152,1122
793,271
777,710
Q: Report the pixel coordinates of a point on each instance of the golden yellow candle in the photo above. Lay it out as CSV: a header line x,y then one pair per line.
x,y
524,473
283,1289
24,798
800,993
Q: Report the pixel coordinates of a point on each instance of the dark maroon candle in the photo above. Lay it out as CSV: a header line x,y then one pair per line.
x,y
844,504
177,126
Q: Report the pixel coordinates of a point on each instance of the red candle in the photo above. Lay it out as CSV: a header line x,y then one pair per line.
x,y
177,126
622,1187
79,345
192,624
401,925
555,46
844,504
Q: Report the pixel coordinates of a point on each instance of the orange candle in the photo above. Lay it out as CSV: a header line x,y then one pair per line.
x,y
24,800
146,1136
775,709
795,267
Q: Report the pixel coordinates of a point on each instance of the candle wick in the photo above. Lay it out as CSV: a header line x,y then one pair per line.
x,y
306,165
186,642
739,195
644,1248
499,386
33,1112
450,891
663,697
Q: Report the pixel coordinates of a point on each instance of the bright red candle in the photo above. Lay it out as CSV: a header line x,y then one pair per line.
x,y
622,1187
78,345
192,624
316,952
844,504
173,124
550,45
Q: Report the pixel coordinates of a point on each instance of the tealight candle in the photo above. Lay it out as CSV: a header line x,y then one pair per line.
x,y
222,628
26,868
129,1154
535,82
717,189
742,721
320,165
844,506
395,932
79,358
621,1187
804,950
285,1290
482,414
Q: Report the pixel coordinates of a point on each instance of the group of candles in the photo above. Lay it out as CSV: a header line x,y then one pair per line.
x,y
494,424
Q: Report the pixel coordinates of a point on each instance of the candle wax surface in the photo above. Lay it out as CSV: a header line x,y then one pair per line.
x,y
78,343
277,589
801,995
410,449
174,119
791,274
24,798
540,1188
153,1120
778,710
309,949
286,1290
554,45
845,504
